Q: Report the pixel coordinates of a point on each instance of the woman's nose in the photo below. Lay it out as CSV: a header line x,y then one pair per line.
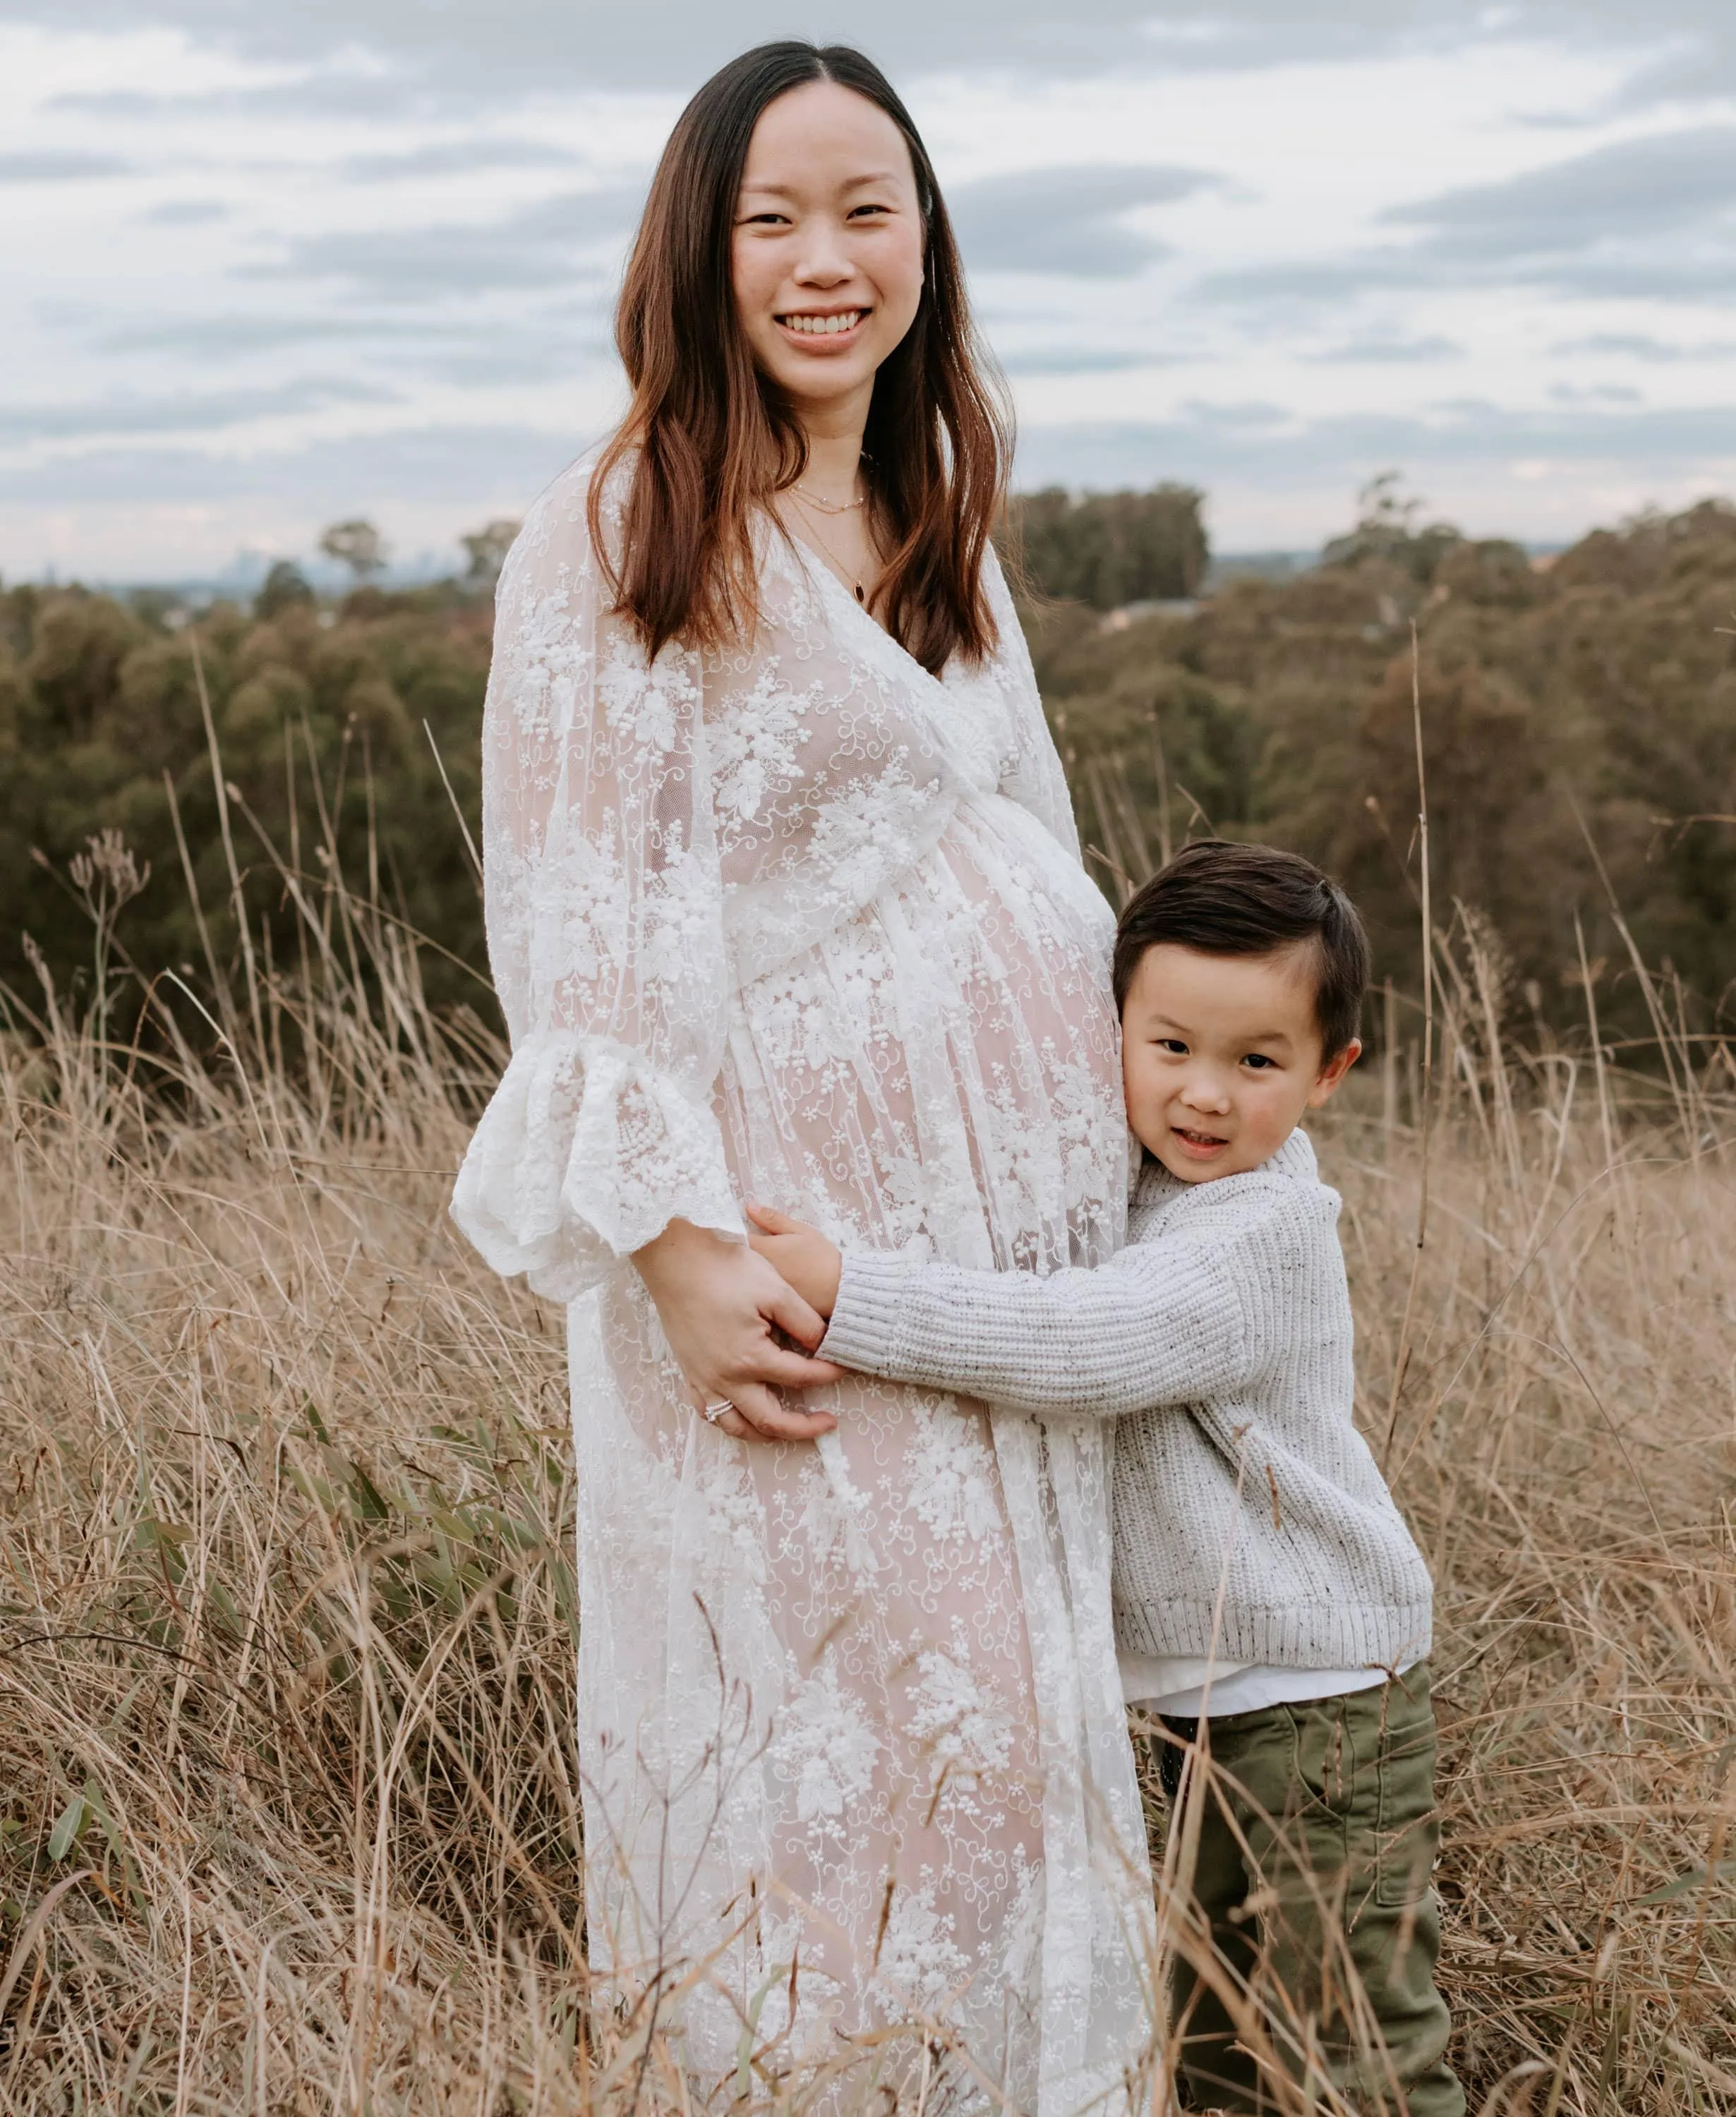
x,y
824,260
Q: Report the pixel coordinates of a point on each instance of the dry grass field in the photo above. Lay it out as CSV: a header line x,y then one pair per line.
x,y
289,1816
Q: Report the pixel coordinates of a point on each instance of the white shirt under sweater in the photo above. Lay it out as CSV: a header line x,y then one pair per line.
x,y
1258,1556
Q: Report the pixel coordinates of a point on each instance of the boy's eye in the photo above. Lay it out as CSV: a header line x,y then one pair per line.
x,y
1259,1062
1173,1043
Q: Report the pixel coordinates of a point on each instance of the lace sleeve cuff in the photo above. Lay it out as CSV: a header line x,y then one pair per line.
x,y
585,1152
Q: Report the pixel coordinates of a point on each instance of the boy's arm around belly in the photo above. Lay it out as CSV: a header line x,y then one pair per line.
x,y
1202,1309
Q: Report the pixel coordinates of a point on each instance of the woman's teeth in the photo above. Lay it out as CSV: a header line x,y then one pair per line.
x,y
824,326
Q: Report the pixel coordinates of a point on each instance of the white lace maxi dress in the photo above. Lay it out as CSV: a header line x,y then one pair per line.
x,y
807,924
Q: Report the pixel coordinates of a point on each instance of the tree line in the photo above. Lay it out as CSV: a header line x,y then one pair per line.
x,y
1577,718
1578,722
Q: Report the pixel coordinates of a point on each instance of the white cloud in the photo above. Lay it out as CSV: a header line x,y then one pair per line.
x,y
264,270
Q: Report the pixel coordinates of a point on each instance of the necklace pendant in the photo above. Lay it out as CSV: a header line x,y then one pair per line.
x,y
860,597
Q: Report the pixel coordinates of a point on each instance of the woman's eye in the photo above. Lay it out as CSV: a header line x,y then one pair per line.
x,y
1174,1045
857,212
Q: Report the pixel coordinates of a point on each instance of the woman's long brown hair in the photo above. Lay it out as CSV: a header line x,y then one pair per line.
x,y
710,440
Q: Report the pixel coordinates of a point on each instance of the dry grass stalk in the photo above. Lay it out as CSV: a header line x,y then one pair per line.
x,y
291,1809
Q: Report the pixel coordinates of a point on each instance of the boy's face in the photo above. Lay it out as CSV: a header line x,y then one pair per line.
x,y
1221,1054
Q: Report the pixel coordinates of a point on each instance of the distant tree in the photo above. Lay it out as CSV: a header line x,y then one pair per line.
x,y
1601,688
1108,549
1386,529
284,586
1596,695
358,545
487,547
98,706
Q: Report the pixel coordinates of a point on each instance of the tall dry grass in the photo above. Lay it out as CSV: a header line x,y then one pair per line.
x,y
1563,1437
288,1802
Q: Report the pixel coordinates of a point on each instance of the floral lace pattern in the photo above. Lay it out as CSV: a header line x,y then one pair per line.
x,y
805,923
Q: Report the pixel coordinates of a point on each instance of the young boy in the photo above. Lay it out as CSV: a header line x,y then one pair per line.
x,y
1264,1579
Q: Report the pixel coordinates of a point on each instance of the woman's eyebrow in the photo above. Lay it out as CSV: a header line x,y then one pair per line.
x,y
849,184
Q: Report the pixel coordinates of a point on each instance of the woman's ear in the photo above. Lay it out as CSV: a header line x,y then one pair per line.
x,y
1332,1073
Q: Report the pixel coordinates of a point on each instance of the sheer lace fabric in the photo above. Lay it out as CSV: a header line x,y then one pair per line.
x,y
807,924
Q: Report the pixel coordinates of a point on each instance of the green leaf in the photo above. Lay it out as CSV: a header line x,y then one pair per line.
x,y
96,1804
148,1533
164,1539
72,1818
366,1496
1696,1878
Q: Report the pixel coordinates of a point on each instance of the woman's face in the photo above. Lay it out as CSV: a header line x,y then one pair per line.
x,y
828,245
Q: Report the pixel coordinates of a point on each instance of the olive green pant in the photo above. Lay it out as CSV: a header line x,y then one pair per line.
x,y
1318,1836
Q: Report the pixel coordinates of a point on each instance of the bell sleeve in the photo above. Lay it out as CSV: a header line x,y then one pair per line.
x,y
604,912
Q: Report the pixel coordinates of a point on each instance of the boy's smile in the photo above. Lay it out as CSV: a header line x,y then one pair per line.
x,y
1202,1144
1221,1055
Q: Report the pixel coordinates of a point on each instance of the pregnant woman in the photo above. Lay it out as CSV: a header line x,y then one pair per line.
x,y
785,901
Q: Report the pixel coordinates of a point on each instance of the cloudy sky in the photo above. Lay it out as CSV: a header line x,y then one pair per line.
x,y
263,265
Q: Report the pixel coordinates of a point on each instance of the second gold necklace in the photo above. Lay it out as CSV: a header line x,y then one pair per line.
x,y
846,573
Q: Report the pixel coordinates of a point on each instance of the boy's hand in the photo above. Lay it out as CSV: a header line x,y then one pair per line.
x,y
803,1256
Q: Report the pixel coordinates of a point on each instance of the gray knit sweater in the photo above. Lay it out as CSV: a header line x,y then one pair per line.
x,y
1221,1339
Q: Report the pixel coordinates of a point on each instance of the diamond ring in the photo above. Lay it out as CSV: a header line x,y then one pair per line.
x,y
720,1408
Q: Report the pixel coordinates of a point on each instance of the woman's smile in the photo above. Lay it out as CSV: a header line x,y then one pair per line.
x,y
824,330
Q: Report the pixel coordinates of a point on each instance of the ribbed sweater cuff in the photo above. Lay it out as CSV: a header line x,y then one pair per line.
x,y
871,1291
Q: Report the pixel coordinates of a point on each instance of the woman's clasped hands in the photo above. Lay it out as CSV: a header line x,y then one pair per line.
x,y
726,1312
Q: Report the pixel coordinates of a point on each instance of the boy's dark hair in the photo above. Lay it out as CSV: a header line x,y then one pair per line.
x,y
1229,900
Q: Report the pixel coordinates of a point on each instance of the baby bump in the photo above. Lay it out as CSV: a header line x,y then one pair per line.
x,y
944,1073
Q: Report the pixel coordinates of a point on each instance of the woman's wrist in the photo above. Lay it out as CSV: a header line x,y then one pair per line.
x,y
721,1308
676,1248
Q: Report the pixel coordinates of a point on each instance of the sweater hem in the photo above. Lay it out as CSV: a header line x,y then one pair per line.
x,y
1304,1635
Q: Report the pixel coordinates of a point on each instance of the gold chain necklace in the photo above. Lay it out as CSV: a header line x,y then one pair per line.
x,y
828,506
846,574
